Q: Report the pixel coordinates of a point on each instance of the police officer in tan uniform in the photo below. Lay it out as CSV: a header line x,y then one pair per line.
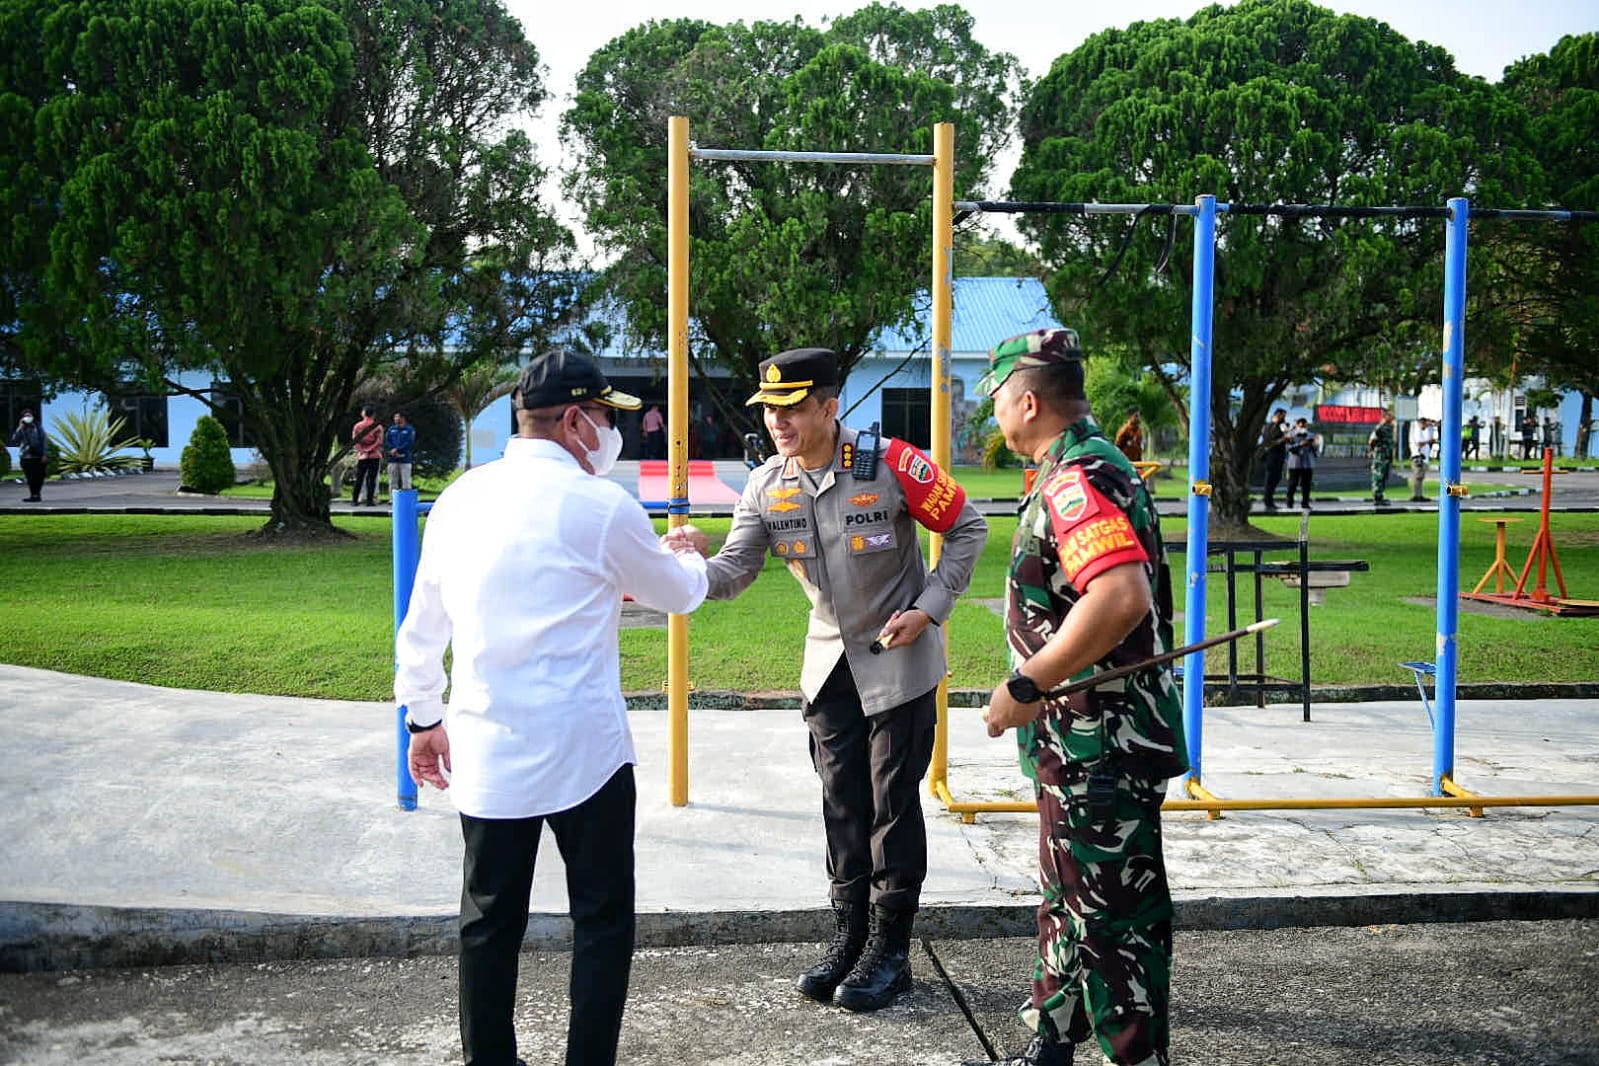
x,y
842,513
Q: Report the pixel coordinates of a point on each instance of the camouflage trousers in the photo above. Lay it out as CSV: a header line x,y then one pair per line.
x,y
1105,924
1380,466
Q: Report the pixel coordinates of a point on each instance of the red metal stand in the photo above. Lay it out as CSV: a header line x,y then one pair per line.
x,y
1543,553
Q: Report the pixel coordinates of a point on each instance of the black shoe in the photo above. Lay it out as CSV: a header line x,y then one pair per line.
x,y
843,951
884,968
33,499
1043,1052
1270,506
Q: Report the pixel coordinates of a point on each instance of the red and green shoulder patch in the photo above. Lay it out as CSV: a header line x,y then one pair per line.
x,y
1092,534
933,497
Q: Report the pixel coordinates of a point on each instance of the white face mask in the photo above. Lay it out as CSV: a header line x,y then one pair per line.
x,y
602,459
27,420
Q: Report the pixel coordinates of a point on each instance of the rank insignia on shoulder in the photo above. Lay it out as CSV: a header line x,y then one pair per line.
x,y
847,456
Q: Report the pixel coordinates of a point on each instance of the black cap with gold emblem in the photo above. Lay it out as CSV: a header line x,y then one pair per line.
x,y
788,377
560,376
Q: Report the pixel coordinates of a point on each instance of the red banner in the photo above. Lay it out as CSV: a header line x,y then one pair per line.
x,y
1337,412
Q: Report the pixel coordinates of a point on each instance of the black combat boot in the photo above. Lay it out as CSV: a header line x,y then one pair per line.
x,y
849,937
884,968
1044,1052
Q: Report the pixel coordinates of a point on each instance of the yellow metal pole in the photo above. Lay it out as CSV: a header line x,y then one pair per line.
x,y
943,310
677,163
968,810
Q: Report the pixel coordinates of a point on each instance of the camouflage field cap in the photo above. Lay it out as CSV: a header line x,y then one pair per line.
x,y
1042,347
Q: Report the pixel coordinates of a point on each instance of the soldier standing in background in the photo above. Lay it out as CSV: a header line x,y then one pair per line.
x,y
1380,449
1274,443
1088,591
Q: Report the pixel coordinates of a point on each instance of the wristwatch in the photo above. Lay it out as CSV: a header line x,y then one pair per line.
x,y
1022,688
413,729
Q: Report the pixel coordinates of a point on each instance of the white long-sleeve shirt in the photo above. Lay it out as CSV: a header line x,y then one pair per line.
x,y
523,568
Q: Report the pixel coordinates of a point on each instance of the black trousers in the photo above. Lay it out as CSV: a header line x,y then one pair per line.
x,y
33,468
1274,475
596,842
871,768
1300,480
366,473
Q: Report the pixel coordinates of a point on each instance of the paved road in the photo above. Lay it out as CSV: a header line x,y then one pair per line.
x,y
1500,993
158,491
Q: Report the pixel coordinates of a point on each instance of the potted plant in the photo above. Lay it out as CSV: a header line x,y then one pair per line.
x,y
148,462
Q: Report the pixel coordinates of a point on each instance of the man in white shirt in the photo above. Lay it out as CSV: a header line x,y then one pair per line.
x,y
522,573
1423,450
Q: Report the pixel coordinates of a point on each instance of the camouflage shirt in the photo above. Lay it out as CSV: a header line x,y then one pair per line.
x,y
1381,441
1088,512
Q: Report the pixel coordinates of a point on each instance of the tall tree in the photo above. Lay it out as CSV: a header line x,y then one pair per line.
x,y
1270,101
784,255
1555,276
294,196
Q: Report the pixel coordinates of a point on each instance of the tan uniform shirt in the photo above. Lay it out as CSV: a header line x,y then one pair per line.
x,y
853,547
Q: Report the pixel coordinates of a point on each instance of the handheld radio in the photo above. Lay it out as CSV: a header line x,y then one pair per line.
x,y
864,468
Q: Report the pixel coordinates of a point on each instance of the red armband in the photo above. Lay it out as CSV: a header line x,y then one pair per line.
x,y
1092,534
934,498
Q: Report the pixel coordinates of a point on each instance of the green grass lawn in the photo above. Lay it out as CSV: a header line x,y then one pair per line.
x,y
189,602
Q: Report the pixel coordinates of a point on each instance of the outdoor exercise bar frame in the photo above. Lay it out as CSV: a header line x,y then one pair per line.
x,y
1445,792
1457,215
680,155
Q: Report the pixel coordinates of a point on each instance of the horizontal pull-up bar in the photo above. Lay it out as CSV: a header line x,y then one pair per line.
x,y
810,157
1045,207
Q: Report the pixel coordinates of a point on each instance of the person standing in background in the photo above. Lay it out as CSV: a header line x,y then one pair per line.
x,y
34,452
1423,449
1130,438
367,436
1303,446
399,441
654,426
1380,450
1275,448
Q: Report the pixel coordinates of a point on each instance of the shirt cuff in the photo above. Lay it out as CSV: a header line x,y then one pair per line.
x,y
936,602
424,713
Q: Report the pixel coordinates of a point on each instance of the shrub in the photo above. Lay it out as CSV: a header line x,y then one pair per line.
x,y
89,441
207,464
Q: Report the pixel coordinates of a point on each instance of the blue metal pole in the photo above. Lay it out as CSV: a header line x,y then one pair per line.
x,y
1203,302
1454,373
405,543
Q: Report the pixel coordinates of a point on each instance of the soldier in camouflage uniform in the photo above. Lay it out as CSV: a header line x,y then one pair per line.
x,y
1380,447
1088,591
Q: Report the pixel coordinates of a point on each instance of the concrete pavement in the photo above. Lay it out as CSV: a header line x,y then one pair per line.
x,y
152,825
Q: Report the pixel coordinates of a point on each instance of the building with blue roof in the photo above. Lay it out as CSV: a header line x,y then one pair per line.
x,y
889,385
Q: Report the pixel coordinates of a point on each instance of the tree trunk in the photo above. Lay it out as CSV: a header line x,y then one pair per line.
x,y
1584,425
291,417
1229,480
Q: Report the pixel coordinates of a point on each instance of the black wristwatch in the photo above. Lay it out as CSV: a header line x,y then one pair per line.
x,y
1022,688
413,729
